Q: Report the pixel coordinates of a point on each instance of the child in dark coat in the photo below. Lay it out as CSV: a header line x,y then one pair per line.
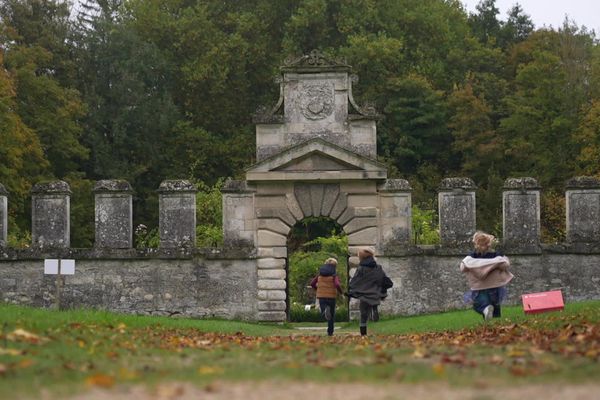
x,y
327,284
367,286
487,274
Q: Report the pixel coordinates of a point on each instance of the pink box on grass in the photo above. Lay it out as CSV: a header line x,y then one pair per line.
x,y
542,302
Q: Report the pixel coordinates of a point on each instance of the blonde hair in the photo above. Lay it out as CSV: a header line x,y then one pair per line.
x,y
331,261
482,241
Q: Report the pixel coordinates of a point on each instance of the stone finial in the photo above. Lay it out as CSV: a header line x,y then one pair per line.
x,y
50,214
51,187
525,183
177,213
177,185
395,185
113,214
583,182
236,186
456,206
583,209
112,186
3,215
450,184
521,215
315,61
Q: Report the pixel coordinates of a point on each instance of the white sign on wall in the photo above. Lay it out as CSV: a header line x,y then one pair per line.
x,y
67,267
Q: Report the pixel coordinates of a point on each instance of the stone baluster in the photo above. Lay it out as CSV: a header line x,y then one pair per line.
x,y
3,216
521,215
583,209
456,205
50,215
395,215
113,214
177,214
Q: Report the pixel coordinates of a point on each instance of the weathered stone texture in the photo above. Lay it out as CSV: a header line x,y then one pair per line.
x,y
456,203
583,210
113,214
521,215
395,214
177,214
50,215
238,214
425,284
3,215
191,288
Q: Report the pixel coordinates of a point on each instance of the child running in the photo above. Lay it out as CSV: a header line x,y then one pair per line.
x,y
487,274
327,284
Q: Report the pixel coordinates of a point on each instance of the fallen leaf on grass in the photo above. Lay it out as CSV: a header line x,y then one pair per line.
x,y
25,363
496,359
101,380
3,369
10,352
439,369
127,374
419,353
210,370
328,364
169,391
21,335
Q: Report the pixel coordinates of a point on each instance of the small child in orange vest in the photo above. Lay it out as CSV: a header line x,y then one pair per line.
x,y
327,284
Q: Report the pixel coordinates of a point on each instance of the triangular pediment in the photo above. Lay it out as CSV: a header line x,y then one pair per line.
x,y
316,159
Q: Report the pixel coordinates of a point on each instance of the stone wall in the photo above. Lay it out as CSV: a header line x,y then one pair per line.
x,y
191,284
225,284
425,283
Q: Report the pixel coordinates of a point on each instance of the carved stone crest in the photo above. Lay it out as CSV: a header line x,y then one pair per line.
x,y
317,101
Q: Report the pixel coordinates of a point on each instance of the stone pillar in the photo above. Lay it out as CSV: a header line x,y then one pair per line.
x,y
521,215
3,216
583,209
114,214
456,205
177,214
50,214
238,214
395,217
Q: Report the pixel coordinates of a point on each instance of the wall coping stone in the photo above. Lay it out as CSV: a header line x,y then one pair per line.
x,y
395,185
524,183
51,187
451,184
237,186
539,251
177,186
583,182
112,186
11,254
3,191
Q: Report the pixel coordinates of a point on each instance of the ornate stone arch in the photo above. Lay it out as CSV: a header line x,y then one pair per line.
x,y
315,158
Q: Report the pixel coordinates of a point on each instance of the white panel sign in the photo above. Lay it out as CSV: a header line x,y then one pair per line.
x,y
67,267
50,267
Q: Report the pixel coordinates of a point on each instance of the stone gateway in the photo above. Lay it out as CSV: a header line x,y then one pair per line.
x,y
316,153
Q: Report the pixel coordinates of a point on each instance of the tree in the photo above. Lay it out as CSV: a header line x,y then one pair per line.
x,y
22,160
485,24
32,30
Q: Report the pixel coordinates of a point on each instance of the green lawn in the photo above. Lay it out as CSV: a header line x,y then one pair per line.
x,y
70,351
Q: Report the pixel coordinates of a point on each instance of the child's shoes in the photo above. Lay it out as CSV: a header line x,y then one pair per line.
x,y
488,312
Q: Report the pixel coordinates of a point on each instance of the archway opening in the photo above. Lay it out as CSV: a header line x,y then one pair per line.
x,y
311,241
